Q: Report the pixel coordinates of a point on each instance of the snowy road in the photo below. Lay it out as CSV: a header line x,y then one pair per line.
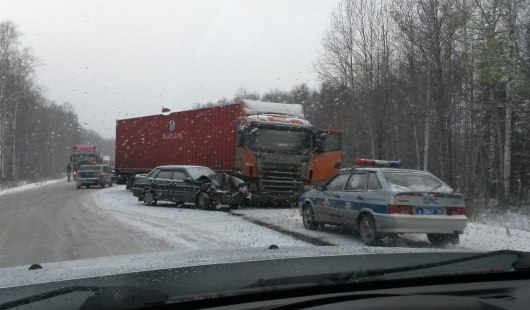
x,y
57,222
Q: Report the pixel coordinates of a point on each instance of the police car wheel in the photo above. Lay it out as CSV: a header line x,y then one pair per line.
x,y
439,239
309,218
149,198
368,230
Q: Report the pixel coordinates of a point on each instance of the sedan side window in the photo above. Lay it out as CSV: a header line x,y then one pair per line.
x,y
179,176
153,173
337,184
373,183
164,174
356,182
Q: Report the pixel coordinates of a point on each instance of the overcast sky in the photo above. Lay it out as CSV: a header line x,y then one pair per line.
x,y
118,59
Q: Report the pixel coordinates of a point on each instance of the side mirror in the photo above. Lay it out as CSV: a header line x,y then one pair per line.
x,y
319,143
321,188
188,181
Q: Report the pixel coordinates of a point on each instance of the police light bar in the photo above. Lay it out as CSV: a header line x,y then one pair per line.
x,y
378,163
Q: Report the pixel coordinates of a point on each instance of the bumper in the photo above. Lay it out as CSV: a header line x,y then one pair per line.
x,y
89,181
436,224
287,199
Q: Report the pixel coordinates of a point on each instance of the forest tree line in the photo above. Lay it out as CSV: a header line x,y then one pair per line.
x,y
36,134
442,85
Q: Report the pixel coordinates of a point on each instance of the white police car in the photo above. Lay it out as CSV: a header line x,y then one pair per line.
x,y
376,199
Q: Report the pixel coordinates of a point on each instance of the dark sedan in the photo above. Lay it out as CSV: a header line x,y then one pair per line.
x,y
191,184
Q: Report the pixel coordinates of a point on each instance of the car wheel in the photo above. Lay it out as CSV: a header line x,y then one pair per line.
x,y
149,198
308,218
78,186
439,239
103,185
110,184
368,230
202,201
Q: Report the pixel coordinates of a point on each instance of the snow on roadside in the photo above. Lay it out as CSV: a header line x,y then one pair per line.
x,y
186,228
290,219
29,186
476,236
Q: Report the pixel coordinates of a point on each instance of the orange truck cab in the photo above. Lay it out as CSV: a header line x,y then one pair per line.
x,y
280,154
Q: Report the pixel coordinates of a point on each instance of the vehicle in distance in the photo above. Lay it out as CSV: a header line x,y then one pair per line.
x,y
85,154
106,160
377,200
114,176
89,175
191,184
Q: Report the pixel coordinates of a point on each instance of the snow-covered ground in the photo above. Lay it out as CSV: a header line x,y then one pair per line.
x,y
514,217
28,186
187,228
476,236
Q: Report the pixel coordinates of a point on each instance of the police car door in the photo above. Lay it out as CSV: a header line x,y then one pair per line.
x,y
374,196
354,198
330,199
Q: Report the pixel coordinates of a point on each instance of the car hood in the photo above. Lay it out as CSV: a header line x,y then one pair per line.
x,y
127,264
207,274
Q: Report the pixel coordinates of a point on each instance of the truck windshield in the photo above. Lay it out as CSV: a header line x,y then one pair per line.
x,y
84,158
281,141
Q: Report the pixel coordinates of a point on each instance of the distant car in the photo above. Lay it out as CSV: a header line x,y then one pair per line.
x,y
191,184
114,176
89,175
383,201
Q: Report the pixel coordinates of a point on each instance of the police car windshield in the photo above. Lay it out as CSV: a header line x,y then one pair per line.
x,y
415,182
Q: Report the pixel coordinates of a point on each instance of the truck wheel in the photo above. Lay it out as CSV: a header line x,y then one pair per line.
x,y
439,239
308,218
202,201
149,198
103,185
367,230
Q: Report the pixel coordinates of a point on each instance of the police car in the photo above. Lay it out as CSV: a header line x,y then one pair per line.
x,y
377,199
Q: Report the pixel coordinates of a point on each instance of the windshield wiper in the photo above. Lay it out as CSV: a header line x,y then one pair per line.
x,y
130,297
521,262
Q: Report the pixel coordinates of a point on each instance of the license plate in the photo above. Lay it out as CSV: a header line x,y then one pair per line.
x,y
429,211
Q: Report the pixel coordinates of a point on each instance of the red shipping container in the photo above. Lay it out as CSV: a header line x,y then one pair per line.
x,y
205,137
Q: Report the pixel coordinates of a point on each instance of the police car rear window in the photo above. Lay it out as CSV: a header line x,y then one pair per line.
x,y
411,181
